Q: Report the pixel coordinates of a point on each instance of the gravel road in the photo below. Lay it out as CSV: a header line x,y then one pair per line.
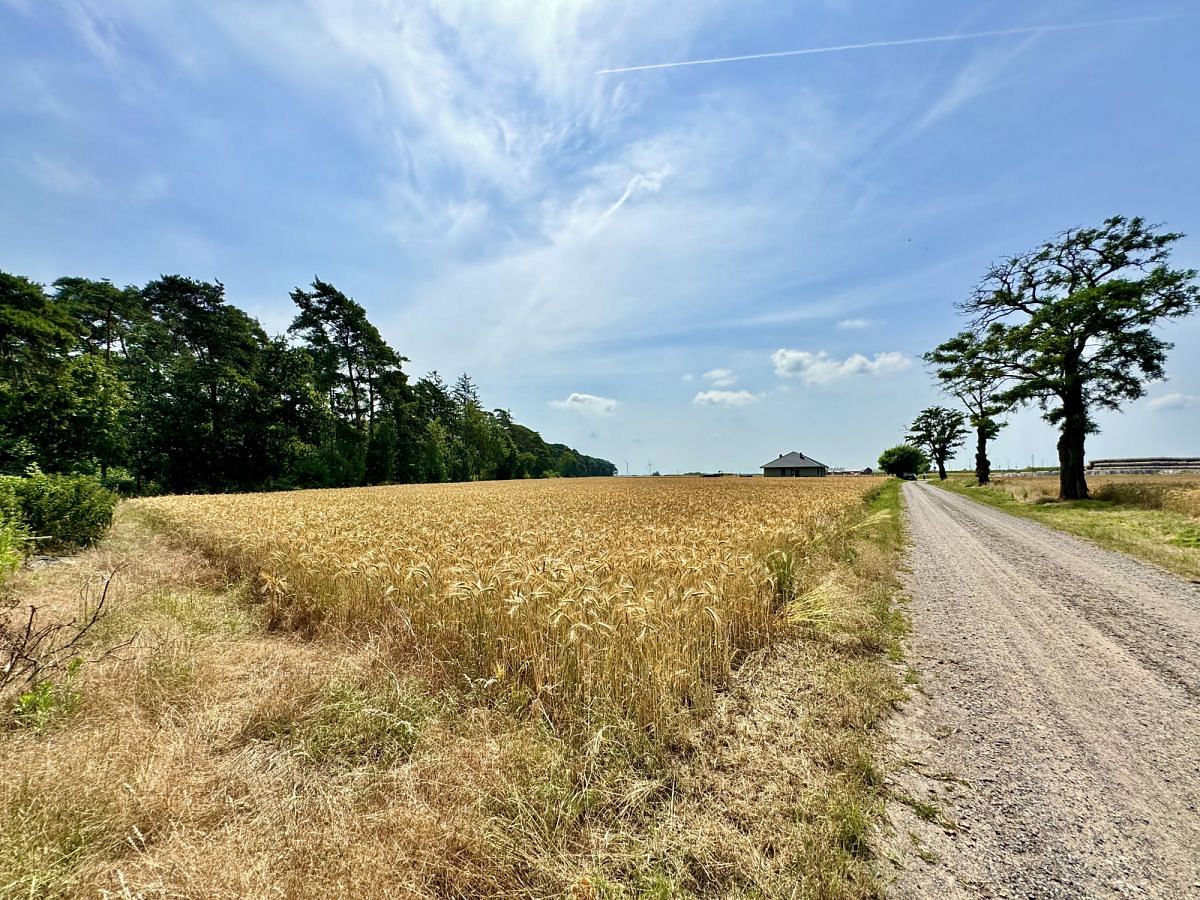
x,y
1052,746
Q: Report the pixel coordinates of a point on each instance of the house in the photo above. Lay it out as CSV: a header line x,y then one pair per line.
x,y
794,465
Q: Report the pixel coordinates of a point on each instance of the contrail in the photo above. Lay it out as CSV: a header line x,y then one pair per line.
x,y
935,39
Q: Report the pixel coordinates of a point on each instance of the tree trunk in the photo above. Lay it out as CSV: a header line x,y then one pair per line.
x,y
1072,485
983,468
941,464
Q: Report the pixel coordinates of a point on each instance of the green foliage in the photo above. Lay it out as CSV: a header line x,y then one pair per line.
x,y
37,707
1069,326
961,368
1140,494
904,459
169,388
940,431
14,536
62,512
781,564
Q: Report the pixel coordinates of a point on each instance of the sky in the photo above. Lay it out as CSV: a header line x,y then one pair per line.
x,y
680,268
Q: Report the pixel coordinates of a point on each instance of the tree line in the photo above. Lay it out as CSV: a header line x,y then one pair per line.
x,y
169,387
1067,327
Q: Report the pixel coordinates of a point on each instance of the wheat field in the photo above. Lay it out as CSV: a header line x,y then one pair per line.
x,y
591,601
589,688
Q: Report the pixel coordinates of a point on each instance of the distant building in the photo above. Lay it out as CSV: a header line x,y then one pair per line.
x,y
794,465
1157,465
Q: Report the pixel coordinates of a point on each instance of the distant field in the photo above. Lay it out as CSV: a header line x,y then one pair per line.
x,y
586,688
1154,517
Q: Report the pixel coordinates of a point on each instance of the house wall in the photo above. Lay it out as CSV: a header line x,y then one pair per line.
x,y
794,473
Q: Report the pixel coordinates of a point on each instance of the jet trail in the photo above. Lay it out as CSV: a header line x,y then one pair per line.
x,y
935,39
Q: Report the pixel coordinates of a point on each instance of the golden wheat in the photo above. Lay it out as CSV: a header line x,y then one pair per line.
x,y
590,601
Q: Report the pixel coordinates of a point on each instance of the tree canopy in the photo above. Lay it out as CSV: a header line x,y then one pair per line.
x,y
168,387
1069,326
940,431
903,459
960,367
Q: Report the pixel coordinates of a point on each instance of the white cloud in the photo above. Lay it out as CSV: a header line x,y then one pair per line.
x,y
1175,401
688,376
724,398
821,368
721,378
648,183
854,324
982,74
588,404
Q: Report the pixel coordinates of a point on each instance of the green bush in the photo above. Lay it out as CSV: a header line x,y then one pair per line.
x,y
62,512
13,541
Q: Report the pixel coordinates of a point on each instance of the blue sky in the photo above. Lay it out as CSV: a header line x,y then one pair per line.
x,y
695,267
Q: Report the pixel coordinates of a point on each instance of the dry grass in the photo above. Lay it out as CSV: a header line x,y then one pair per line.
x,y
1176,493
226,756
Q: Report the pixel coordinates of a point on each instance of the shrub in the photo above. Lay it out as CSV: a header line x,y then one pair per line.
x,y
63,512
14,537
13,541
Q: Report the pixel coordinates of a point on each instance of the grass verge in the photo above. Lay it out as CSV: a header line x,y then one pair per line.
x,y
1164,537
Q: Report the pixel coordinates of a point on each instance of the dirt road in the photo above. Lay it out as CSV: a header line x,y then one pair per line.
x,y
1053,743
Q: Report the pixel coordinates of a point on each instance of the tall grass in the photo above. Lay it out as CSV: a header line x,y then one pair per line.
x,y
1175,493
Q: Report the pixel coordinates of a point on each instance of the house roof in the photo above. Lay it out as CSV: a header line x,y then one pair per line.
x,y
794,460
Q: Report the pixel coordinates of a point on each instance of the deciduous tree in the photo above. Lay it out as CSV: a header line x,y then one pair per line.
x,y
1070,326
940,431
960,367
903,459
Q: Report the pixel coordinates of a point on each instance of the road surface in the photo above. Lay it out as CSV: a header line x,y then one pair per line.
x,y
1052,747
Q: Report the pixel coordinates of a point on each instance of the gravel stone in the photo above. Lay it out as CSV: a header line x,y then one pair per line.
x,y
1056,725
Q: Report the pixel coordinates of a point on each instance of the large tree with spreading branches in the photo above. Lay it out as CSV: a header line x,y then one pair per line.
x,y
940,431
1070,326
964,374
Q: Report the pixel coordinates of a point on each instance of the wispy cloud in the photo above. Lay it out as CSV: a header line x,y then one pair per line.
x,y
648,183
725,398
821,368
979,76
871,45
589,404
1174,401
97,33
62,176
856,324
721,378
